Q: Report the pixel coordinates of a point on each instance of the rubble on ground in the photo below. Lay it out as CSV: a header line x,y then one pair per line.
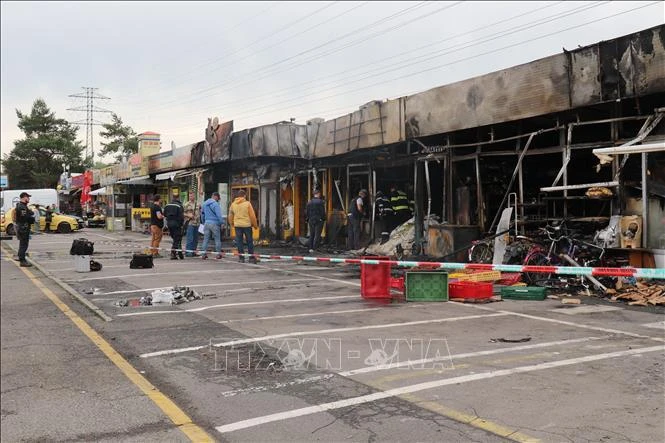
x,y
639,294
173,296
401,238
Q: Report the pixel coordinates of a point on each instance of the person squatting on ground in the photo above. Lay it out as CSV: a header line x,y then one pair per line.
x,y
49,218
315,216
175,218
243,219
191,228
156,225
386,221
211,217
356,214
23,218
400,204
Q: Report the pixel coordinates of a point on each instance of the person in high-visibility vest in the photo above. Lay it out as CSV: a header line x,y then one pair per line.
x,y
400,204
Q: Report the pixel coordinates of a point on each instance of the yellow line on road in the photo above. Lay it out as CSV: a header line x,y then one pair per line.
x,y
172,411
453,414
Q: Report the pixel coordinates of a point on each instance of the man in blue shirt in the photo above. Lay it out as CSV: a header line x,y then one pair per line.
x,y
211,217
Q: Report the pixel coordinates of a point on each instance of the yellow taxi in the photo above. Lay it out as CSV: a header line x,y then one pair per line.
x,y
59,222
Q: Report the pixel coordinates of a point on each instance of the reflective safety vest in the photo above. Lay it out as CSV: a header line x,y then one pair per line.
x,y
399,201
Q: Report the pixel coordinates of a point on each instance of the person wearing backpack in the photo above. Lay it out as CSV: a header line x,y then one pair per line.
x,y
315,216
211,217
243,219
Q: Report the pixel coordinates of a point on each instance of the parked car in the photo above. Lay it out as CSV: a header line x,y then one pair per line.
x,y
60,222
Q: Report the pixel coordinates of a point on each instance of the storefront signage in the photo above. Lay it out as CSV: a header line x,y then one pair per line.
x,y
138,165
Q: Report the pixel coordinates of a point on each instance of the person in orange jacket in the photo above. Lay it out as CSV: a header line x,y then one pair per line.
x,y
243,219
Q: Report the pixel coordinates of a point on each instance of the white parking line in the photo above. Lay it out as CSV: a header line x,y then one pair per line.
x,y
590,309
656,325
244,424
130,291
383,367
567,323
321,331
150,274
311,314
228,305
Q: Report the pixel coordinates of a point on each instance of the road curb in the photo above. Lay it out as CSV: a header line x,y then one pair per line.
x,y
85,302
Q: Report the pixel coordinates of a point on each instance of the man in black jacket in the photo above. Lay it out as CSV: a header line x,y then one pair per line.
x,y
315,217
175,218
23,218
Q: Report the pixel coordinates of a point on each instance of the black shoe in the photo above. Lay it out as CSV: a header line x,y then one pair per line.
x,y
25,264
241,259
173,256
253,260
181,256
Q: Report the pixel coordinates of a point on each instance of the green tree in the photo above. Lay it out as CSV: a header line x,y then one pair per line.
x,y
36,160
123,141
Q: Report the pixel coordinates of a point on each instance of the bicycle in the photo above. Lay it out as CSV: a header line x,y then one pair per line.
x,y
563,251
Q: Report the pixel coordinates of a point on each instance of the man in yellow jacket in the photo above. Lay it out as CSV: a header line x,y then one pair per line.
x,y
243,219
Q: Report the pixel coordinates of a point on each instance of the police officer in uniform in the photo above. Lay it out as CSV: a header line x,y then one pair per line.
x,y
23,219
175,218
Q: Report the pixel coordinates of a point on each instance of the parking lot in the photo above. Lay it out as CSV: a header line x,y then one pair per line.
x,y
285,350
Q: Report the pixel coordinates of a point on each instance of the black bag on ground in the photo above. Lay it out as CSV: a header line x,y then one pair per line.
x,y
141,261
95,266
81,246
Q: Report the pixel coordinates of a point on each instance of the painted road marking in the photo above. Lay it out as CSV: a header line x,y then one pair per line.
x,y
205,285
567,323
151,274
656,325
590,309
423,361
299,315
172,411
321,331
227,305
244,424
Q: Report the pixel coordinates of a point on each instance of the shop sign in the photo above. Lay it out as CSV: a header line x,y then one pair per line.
x,y
160,162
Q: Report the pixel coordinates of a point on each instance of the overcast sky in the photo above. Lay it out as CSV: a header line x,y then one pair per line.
x,y
168,66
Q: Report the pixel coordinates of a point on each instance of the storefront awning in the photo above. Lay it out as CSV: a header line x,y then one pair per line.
x,y
189,172
166,175
141,180
100,191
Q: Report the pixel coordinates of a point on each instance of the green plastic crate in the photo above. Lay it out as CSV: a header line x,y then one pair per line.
x,y
426,286
523,293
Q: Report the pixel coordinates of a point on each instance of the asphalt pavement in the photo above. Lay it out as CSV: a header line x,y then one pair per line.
x,y
289,351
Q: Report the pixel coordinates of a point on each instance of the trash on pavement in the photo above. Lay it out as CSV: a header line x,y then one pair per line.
x,y
510,340
571,301
175,296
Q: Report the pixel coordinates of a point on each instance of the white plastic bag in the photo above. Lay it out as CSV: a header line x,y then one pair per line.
x,y
162,296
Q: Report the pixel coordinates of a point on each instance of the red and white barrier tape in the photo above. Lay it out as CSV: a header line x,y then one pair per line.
x,y
656,273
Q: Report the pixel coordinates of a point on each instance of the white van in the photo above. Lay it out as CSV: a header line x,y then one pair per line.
x,y
43,197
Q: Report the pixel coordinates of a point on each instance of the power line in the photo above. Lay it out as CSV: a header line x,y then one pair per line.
x,y
90,109
445,51
226,56
462,59
186,74
336,39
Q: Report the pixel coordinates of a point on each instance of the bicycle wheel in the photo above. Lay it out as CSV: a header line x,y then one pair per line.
x,y
537,259
482,253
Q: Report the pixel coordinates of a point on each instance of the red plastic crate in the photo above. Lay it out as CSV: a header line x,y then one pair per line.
x,y
470,289
375,279
397,283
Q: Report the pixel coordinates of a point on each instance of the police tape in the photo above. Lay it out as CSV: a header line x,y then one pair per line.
x,y
647,273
